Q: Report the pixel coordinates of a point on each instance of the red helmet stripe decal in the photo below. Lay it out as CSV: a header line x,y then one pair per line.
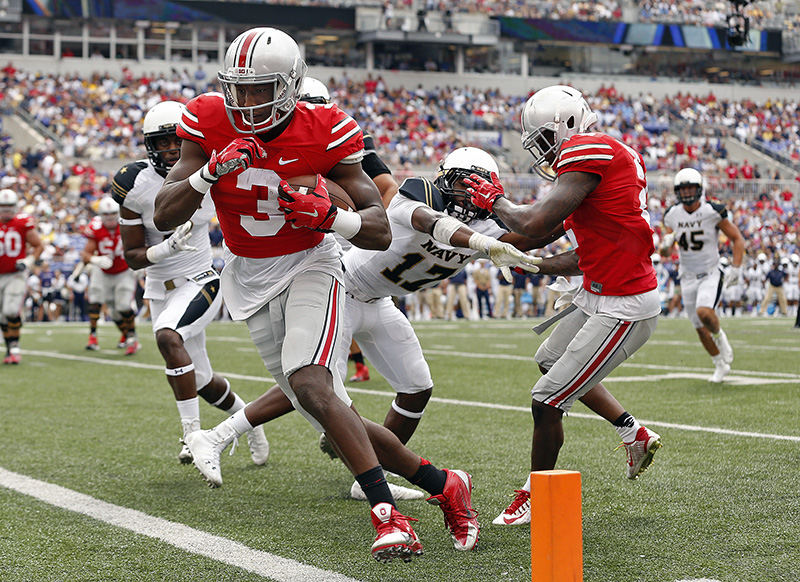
x,y
244,48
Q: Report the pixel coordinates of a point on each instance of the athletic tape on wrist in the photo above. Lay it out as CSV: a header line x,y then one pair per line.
x,y
157,253
406,413
480,242
130,221
179,371
347,223
444,229
200,182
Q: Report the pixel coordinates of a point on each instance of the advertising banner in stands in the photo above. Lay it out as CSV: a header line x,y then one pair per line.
x,y
638,34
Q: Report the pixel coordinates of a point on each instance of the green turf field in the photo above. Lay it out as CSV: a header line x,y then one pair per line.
x,y
720,502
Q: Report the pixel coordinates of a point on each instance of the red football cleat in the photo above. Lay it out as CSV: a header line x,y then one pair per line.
x,y
132,346
362,373
456,503
395,538
92,345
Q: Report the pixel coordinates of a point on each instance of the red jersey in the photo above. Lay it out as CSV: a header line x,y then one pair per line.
x,y
109,244
611,225
317,138
13,237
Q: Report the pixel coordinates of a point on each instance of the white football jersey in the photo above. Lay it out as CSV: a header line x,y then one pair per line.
x,y
135,187
414,260
697,235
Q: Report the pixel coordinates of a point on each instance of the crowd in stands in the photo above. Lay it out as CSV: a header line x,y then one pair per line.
x,y
762,14
99,118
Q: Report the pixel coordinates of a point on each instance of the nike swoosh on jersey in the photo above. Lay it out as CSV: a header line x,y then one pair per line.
x,y
282,162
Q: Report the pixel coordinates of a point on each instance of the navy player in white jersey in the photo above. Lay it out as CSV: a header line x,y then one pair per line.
x,y
181,285
694,224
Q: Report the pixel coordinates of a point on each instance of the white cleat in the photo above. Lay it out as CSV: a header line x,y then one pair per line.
x,y
399,493
206,446
641,450
724,347
259,445
721,370
189,426
518,513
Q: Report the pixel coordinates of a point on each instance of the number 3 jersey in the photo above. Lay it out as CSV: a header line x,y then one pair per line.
x,y
264,251
414,260
697,235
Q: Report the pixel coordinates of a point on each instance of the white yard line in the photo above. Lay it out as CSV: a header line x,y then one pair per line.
x,y
383,393
176,534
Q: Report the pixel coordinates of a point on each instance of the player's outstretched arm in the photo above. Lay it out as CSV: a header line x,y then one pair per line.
x,y
540,219
374,232
451,231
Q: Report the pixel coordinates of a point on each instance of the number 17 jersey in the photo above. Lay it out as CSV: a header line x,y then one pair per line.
x,y
414,260
697,235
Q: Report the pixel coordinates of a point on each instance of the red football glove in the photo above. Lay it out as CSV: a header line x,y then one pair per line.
x,y
237,155
484,193
313,209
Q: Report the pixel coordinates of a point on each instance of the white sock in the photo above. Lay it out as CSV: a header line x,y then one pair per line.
x,y
527,486
628,433
239,422
237,405
717,359
188,409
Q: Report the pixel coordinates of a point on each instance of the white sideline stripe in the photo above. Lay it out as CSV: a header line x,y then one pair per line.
x,y
633,364
176,534
130,364
687,427
491,405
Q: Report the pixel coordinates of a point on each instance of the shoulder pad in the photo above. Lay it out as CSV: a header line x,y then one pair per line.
x,y
124,180
720,209
423,190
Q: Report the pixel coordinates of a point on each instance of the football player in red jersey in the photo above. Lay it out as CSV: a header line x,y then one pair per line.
x,y
282,272
600,201
17,233
112,281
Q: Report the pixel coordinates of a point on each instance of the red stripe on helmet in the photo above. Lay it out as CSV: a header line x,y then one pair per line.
x,y
244,48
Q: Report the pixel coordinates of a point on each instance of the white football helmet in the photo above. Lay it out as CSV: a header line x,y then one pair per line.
x,y
262,56
549,118
685,178
314,91
8,197
8,204
108,211
795,258
161,121
459,164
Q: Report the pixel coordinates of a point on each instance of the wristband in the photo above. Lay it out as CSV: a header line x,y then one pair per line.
x,y
444,229
347,223
201,180
130,221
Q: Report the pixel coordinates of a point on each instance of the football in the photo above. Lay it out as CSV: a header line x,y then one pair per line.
x,y
336,193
